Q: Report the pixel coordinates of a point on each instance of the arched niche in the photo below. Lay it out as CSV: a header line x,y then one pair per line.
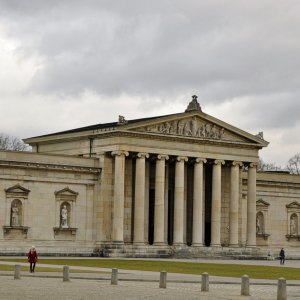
x,y
293,213
16,216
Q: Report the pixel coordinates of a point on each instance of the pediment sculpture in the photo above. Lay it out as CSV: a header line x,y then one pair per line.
x,y
192,127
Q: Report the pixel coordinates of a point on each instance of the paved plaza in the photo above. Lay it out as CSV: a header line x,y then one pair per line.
x,y
136,285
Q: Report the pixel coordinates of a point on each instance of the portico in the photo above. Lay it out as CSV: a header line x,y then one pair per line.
x,y
182,209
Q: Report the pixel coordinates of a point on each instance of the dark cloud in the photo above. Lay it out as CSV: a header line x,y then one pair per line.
x,y
220,49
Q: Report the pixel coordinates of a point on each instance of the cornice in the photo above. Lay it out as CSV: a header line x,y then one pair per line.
x,y
49,167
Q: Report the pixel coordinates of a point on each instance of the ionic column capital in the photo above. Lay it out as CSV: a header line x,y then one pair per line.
x,y
237,163
219,162
182,158
142,155
162,157
200,160
119,153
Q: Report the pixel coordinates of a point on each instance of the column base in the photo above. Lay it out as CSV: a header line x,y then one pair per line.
x,y
233,246
140,244
159,244
215,245
118,242
178,244
197,245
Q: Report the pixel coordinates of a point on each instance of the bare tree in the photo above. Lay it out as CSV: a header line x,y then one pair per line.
x,y
13,143
263,166
294,164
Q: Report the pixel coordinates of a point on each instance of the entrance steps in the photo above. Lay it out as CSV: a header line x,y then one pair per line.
x,y
182,251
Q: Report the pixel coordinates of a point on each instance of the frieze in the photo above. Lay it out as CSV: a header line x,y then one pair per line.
x,y
187,127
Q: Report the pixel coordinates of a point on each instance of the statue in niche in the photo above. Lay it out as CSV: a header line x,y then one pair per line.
x,y
293,225
64,217
15,215
258,225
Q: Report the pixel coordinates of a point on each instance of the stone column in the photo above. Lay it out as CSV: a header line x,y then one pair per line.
x,y
159,207
179,201
251,206
119,189
234,204
139,205
216,203
198,203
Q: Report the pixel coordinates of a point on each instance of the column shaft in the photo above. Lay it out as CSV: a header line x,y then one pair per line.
x,y
179,201
159,210
119,188
251,206
234,204
139,205
198,203
216,204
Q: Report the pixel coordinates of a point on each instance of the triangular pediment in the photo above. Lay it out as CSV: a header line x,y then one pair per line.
x,y
66,192
196,125
293,205
262,203
17,190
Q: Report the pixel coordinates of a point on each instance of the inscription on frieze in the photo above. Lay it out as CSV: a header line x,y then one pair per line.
x,y
187,127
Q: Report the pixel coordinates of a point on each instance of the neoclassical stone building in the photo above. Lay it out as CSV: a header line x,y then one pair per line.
x,y
180,184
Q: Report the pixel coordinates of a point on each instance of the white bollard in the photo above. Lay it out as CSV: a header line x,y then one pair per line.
x,y
66,273
114,276
205,282
281,289
17,272
245,291
163,280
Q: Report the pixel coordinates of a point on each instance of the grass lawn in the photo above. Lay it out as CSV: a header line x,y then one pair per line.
x,y
226,270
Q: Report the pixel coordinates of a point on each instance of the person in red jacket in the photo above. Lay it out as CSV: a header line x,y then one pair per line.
x,y
32,258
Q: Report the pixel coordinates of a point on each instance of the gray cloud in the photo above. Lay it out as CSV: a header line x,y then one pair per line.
x,y
161,52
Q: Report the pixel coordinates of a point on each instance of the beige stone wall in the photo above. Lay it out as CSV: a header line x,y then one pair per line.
x,y
42,176
278,190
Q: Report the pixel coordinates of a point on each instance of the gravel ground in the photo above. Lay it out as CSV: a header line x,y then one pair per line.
x,y
36,287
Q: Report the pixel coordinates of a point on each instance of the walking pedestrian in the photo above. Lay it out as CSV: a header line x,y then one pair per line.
x,y
282,256
32,258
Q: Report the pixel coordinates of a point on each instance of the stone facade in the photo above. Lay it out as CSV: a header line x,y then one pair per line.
x,y
182,184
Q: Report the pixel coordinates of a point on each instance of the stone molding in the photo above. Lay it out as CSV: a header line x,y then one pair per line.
x,y
49,167
8,229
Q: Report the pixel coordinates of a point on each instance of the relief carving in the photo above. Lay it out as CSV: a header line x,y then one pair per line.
x,y
187,127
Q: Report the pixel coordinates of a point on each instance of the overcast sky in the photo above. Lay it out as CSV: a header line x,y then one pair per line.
x,y
66,64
